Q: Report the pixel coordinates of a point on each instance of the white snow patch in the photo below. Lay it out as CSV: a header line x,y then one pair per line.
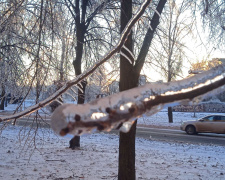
x,y
98,158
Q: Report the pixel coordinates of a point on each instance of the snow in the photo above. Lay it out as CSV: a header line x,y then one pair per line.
x,y
98,156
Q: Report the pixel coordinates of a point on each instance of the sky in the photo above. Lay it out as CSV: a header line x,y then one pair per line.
x,y
198,48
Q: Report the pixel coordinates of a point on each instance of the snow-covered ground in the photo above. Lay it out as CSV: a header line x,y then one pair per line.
x,y
98,156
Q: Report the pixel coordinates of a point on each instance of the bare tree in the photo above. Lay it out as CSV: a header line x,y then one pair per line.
x,y
83,19
87,73
126,168
119,109
129,78
213,17
172,35
10,56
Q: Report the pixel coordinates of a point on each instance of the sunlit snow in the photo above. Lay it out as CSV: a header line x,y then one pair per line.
x,y
98,156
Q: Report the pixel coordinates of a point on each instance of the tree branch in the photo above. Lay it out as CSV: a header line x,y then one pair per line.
x,y
97,10
117,111
85,74
149,36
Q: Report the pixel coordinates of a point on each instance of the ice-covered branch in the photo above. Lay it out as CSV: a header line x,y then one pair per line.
x,y
79,78
118,110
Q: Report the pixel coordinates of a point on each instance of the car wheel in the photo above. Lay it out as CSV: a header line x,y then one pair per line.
x,y
190,130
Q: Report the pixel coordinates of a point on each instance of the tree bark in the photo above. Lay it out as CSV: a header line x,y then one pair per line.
x,y
129,76
170,114
80,32
149,36
75,141
2,105
127,154
128,79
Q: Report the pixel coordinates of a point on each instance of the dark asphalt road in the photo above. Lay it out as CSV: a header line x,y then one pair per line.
x,y
170,135
167,135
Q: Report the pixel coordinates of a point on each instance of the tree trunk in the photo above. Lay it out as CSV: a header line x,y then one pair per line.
x,y
2,107
80,32
128,80
75,141
149,36
170,114
129,75
127,154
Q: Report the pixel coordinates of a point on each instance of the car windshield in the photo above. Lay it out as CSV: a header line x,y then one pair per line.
x,y
213,118
208,118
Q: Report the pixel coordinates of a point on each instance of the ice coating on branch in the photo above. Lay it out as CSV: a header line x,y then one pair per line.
x,y
119,110
88,72
130,53
124,55
58,119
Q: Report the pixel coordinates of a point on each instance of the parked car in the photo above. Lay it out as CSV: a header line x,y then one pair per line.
x,y
208,124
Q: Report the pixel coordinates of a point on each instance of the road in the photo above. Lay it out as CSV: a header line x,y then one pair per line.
x,y
170,135
157,134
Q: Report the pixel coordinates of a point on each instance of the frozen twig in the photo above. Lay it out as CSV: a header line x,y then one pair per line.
x,y
124,55
81,77
118,110
131,54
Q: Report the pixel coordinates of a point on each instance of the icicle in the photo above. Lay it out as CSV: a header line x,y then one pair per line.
x,y
124,55
59,101
150,27
156,12
74,98
78,86
126,126
129,51
96,76
74,91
